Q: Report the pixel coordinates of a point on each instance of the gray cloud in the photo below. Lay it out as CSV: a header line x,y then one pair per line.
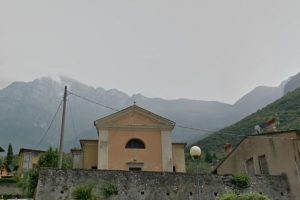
x,y
213,50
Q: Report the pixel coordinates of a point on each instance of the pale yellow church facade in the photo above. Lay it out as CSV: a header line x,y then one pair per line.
x,y
131,139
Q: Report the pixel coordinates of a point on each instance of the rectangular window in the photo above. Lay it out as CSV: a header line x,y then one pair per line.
x,y
263,164
250,166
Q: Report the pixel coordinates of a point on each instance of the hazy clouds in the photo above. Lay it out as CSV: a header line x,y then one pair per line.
x,y
210,50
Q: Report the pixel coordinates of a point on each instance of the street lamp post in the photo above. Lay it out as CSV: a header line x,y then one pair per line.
x,y
195,153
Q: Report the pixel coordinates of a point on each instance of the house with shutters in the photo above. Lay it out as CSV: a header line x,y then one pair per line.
x,y
28,159
273,153
131,139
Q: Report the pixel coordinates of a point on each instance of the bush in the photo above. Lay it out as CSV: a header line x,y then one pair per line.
x,y
84,192
10,196
228,196
109,189
241,180
7,180
32,181
245,196
50,159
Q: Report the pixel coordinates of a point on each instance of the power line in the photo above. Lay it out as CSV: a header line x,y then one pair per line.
x,y
194,129
180,126
52,120
92,101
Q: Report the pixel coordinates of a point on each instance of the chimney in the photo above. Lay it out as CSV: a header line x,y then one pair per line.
x,y
227,148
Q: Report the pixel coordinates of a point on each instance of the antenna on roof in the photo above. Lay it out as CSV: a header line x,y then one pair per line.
x,y
257,129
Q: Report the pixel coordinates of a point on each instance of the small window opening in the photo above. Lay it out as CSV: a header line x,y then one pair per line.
x,y
135,144
174,169
142,193
135,169
168,193
191,194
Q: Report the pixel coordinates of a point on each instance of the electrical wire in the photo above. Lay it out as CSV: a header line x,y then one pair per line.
x,y
92,101
52,120
180,126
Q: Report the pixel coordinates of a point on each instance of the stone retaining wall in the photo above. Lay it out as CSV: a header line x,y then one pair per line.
x,y
58,184
10,188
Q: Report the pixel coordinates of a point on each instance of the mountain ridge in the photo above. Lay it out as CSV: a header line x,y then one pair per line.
x,y
27,108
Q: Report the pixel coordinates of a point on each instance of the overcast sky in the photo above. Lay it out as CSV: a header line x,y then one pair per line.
x,y
202,49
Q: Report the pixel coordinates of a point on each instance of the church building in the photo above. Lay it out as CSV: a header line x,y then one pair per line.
x,y
131,139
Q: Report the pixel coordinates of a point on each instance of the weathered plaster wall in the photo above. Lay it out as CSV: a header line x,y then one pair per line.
x,y
59,184
282,154
90,154
119,156
178,157
77,159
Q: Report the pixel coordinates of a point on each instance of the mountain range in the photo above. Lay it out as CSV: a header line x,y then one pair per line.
x,y
285,110
27,109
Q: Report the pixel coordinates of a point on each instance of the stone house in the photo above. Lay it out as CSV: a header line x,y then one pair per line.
x,y
273,153
131,139
28,158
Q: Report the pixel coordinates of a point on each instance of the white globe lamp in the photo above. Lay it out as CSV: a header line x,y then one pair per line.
x,y
195,152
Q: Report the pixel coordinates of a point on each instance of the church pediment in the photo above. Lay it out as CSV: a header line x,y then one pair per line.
x,y
134,116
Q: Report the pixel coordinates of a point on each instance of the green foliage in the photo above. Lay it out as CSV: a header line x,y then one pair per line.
x,y
28,182
228,196
241,180
32,181
204,167
7,180
109,189
9,157
286,108
244,196
29,179
16,160
10,196
215,156
50,159
208,157
84,192
22,181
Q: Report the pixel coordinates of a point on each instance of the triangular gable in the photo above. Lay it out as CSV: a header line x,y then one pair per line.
x,y
134,115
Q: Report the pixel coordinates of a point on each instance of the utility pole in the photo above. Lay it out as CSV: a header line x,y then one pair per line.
x,y
61,144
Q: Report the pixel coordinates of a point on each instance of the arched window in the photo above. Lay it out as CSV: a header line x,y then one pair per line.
x,y
135,144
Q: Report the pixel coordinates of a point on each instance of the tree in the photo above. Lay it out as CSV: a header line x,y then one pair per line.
x,y
9,157
47,159
51,157
215,156
208,157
